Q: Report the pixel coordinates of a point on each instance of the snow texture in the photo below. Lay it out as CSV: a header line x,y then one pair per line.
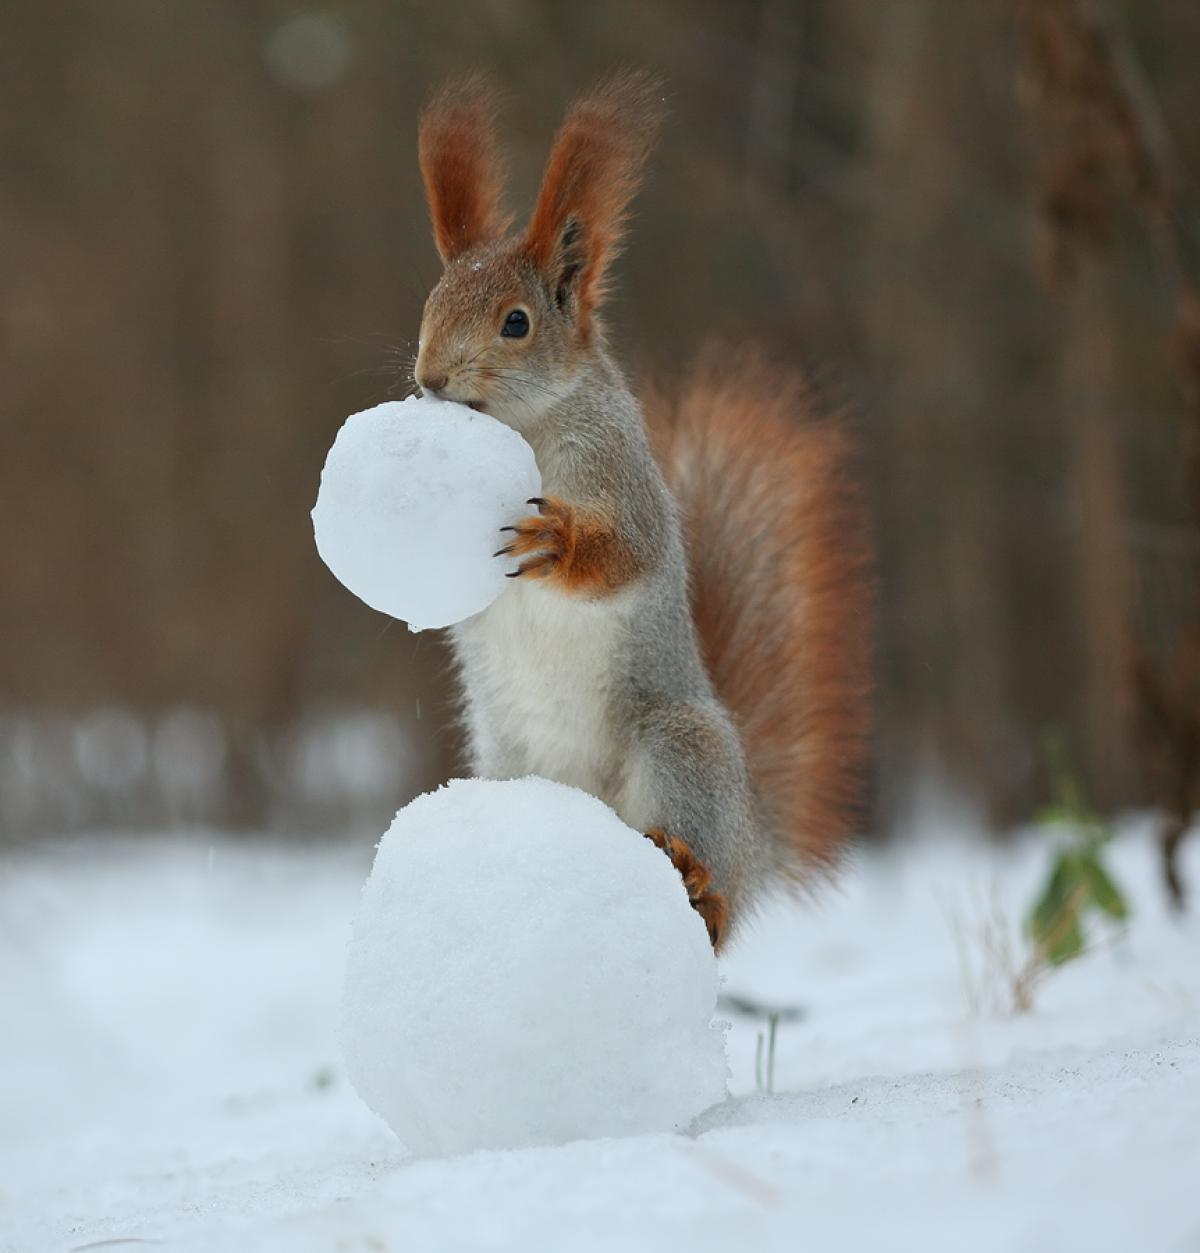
x,y
411,502
169,1074
526,969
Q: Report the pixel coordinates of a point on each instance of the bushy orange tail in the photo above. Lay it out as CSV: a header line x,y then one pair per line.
x,y
779,560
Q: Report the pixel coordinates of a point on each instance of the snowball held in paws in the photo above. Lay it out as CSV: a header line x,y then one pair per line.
x,y
411,502
526,969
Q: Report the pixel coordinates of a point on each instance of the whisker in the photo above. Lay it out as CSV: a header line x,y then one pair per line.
x,y
504,372
508,392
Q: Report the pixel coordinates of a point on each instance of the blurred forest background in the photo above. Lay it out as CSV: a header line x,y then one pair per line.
x,y
968,220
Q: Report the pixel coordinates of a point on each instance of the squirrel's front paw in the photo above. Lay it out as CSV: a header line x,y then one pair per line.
x,y
546,540
711,906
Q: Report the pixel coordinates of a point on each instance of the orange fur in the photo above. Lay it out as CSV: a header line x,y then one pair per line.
x,y
591,175
578,547
462,178
779,561
711,906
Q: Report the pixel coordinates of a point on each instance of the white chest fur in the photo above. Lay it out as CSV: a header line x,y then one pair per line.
x,y
538,667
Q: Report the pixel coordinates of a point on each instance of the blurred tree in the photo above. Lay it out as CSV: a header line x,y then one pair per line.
x,y
213,247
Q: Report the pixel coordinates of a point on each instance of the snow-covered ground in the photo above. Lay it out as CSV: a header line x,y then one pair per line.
x,y
170,1075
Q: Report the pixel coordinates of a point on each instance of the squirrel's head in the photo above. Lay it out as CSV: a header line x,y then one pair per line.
x,y
513,317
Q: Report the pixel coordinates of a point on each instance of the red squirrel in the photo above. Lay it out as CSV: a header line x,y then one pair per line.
x,y
687,634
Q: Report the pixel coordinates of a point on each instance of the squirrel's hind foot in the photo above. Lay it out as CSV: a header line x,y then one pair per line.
x,y
711,906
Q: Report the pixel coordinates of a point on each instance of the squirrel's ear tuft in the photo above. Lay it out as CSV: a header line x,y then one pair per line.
x,y
458,163
592,173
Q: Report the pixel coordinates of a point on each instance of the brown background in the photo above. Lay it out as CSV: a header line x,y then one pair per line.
x,y
213,247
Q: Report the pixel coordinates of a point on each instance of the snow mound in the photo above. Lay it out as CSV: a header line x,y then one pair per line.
x,y
526,969
411,502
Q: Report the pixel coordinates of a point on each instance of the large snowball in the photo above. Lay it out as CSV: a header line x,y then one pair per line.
x,y
526,969
412,499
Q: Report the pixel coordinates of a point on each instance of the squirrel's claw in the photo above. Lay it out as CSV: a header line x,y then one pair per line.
x,y
539,567
545,538
711,906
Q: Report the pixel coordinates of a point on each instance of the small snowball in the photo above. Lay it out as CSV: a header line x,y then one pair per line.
x,y
526,969
412,499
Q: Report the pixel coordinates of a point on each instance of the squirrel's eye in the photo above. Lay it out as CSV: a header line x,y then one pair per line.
x,y
516,325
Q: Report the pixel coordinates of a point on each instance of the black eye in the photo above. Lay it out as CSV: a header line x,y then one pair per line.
x,y
516,325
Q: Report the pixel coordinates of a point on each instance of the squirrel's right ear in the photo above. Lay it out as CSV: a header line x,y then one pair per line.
x,y
458,163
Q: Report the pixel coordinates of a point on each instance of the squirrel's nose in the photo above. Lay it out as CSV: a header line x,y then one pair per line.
x,y
433,385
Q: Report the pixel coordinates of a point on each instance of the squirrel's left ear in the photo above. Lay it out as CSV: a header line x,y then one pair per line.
x,y
592,173
463,183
